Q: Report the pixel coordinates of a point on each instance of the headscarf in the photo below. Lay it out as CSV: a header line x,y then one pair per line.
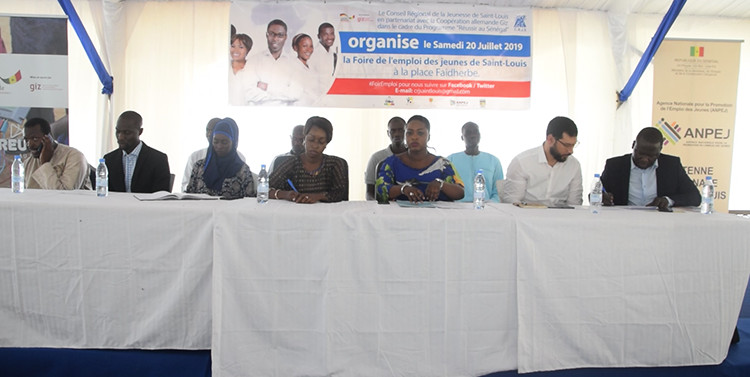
x,y
216,169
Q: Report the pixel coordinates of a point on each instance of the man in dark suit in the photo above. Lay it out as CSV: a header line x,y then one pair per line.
x,y
647,177
135,167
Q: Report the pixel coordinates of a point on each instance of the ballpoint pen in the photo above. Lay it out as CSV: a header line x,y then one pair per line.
x,y
289,181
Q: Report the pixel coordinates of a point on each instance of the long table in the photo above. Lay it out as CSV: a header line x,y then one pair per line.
x,y
364,289
371,290
78,271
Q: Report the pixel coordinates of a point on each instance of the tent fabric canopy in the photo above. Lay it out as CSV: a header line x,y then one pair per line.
x,y
170,61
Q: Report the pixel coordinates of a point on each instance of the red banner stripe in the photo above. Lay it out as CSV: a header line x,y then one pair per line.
x,y
432,88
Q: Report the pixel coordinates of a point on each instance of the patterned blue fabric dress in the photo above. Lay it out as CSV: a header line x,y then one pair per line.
x,y
394,172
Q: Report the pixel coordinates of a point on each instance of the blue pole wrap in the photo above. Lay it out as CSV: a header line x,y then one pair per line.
x,y
91,52
661,32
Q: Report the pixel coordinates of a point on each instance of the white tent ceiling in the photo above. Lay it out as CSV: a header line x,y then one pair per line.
x,y
713,8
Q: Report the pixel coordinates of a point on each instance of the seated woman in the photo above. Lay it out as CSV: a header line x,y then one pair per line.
x,y
222,172
417,175
312,176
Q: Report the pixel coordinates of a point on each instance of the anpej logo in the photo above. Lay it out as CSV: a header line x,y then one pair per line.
x,y
671,131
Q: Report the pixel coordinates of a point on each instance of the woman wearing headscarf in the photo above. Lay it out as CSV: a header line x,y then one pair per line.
x,y
222,172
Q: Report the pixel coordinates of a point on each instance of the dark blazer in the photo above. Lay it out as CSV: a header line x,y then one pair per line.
x,y
151,172
671,180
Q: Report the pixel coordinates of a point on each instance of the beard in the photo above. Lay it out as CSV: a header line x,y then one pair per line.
x,y
558,157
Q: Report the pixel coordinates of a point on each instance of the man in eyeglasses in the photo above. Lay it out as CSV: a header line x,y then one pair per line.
x,y
547,174
268,79
647,177
51,165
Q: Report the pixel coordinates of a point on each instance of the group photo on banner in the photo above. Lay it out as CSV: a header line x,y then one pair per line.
x,y
381,56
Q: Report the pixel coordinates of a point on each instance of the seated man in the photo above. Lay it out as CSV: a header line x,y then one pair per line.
x,y
547,174
647,177
469,161
51,165
297,148
200,154
135,167
396,129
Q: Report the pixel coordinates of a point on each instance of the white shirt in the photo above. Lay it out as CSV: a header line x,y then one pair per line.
x,y
531,179
322,61
237,82
306,78
642,190
275,73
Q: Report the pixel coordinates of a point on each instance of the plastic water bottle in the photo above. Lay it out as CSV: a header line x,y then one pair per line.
x,y
595,198
262,185
479,190
707,194
102,179
17,171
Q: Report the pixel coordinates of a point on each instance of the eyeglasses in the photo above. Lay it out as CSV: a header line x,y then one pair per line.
x,y
568,145
275,35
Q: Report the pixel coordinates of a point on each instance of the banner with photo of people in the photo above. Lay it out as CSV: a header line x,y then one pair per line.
x,y
379,55
33,81
694,105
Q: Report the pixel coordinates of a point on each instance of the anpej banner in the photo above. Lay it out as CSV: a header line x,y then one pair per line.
x,y
694,105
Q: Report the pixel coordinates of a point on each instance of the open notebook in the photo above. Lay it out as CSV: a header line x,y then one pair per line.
x,y
163,195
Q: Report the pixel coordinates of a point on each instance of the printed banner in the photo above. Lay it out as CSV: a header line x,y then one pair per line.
x,y
695,94
33,81
380,55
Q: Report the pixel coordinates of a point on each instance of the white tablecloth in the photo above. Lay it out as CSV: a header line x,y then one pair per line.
x,y
627,288
367,290
361,289
78,271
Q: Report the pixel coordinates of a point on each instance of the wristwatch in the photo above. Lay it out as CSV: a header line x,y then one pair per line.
x,y
441,183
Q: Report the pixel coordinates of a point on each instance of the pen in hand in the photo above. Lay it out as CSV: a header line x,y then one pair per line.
x,y
289,181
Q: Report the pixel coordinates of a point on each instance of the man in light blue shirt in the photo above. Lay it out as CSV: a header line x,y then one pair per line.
x,y
648,177
469,161
134,166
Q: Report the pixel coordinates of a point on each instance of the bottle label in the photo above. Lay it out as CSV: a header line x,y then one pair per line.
x,y
17,179
595,198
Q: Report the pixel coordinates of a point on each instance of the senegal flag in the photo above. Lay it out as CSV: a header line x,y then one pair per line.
x,y
12,79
